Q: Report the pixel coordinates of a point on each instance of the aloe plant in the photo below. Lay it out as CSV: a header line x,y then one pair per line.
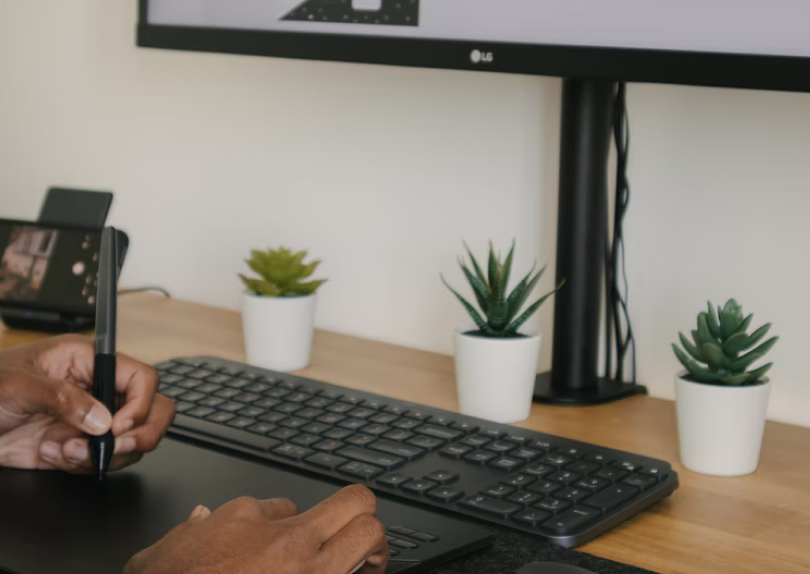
x,y
498,316
714,353
281,273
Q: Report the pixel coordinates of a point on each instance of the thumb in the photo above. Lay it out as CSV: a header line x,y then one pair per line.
x,y
65,401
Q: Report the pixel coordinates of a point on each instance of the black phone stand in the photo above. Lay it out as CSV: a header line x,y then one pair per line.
x,y
62,207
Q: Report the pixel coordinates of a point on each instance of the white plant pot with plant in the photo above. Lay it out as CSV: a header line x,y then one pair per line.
x,y
721,404
496,361
278,309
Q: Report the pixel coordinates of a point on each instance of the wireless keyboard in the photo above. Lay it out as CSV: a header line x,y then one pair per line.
x,y
565,491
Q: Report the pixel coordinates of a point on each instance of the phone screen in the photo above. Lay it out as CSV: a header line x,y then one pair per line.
x,y
48,267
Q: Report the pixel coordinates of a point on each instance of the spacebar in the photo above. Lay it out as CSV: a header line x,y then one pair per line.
x,y
226,433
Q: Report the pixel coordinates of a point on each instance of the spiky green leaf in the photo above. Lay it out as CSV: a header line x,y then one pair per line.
x,y
507,267
696,353
756,336
735,344
714,356
494,270
703,330
757,374
517,323
733,379
478,287
478,271
746,323
520,293
730,319
751,357
693,368
476,317
714,325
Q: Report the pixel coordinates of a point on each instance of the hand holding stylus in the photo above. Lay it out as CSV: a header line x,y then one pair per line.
x,y
47,410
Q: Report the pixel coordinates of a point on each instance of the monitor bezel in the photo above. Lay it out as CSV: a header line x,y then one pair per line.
x,y
783,73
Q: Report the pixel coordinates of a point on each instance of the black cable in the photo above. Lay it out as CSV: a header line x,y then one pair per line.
x,y
144,289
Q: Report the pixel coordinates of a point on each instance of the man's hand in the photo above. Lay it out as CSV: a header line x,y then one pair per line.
x,y
247,536
46,407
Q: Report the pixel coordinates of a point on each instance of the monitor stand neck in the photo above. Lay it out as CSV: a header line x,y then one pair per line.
x,y
587,108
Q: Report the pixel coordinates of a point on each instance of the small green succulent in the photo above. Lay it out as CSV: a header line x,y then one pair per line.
x,y
714,352
500,310
281,273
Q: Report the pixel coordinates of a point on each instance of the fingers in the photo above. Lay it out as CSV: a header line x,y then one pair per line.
x,y
361,542
138,383
61,399
278,508
335,513
145,438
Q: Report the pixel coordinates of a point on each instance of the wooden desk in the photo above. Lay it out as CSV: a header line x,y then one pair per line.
x,y
756,524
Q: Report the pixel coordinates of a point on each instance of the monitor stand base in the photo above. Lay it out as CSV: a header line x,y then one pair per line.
x,y
605,391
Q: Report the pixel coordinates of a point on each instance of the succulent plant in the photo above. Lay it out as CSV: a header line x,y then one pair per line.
x,y
281,273
501,311
714,353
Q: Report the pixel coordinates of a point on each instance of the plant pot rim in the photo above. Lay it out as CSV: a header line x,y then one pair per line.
x,y
528,335
276,297
681,375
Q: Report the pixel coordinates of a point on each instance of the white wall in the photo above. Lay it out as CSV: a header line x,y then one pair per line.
x,y
383,171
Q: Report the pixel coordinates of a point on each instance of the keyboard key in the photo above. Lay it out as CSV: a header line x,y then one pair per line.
x,y
394,481
627,465
284,434
360,439
424,536
491,433
573,494
208,388
231,406
395,410
406,544
237,384
464,427
426,442
592,484
488,505
330,419
405,451
657,472
519,480
372,404
297,397
292,451
556,459
406,424
306,440
498,491
172,392
352,424
273,418
573,452
241,422
277,393
328,445
640,481
418,415
287,385
598,458
531,517
352,400
476,441
542,444
441,420
339,408
613,496
455,450
247,397
318,403
526,454
506,463
564,477
524,498
192,361
258,387
517,439
386,461
232,371
199,374
309,413
439,432
323,460
480,456
582,467
225,433
419,487
545,487
182,407
266,403
261,428
383,418
553,505
444,494
227,393
211,402
375,429
443,477
500,446
360,470
293,422
337,434
189,383
287,408
182,370
220,417
315,428
218,379
331,395
398,435
610,473
199,412
251,412
572,519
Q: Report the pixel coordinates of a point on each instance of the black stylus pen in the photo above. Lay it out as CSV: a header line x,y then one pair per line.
x,y
101,447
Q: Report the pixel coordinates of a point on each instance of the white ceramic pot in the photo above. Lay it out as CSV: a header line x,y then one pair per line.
x,y
495,377
720,427
278,331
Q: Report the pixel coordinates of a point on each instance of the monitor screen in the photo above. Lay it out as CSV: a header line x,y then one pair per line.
x,y
744,43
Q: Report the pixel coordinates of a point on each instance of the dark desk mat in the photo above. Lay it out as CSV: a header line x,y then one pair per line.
x,y
513,550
